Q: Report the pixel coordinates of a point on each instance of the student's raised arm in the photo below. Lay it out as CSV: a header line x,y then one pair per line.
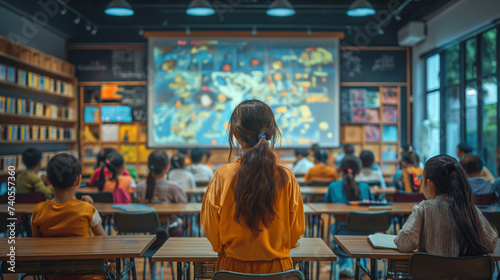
x,y
209,217
409,236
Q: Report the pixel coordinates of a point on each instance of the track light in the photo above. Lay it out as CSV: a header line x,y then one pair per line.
x,y
64,11
77,20
141,32
119,8
88,27
380,30
200,8
254,31
397,17
188,31
94,31
309,32
280,8
360,8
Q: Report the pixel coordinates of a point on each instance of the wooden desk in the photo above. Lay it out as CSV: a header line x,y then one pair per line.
x,y
389,192
193,249
85,190
397,208
357,246
79,248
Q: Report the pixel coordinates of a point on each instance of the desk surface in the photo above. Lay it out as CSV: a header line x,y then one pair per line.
x,y
106,209
403,208
357,246
199,249
60,248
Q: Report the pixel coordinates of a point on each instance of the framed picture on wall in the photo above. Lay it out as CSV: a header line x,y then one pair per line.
x,y
389,95
372,133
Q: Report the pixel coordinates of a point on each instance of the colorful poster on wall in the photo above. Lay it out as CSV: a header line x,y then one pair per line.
x,y
196,83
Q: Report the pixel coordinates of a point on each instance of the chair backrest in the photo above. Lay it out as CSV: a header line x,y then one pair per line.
x,y
485,199
368,222
494,218
408,197
319,183
34,197
137,222
376,183
100,197
3,225
429,267
285,275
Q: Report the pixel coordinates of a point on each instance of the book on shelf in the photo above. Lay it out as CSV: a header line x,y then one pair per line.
x,y
12,132
43,133
21,77
6,161
11,74
2,104
10,107
3,72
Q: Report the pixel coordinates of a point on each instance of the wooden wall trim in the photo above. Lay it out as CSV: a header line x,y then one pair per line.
x,y
273,34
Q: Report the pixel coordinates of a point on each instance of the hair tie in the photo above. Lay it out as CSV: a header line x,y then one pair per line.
x,y
262,135
349,170
107,161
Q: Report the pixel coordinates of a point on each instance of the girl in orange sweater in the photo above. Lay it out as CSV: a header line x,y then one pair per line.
x,y
252,211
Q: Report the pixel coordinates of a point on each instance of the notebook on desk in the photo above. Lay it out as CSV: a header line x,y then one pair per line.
x,y
368,203
133,207
382,241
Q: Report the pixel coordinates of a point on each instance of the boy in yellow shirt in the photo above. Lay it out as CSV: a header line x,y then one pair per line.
x,y
64,215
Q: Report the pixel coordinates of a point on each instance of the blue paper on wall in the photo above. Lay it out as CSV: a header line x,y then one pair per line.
x,y
116,114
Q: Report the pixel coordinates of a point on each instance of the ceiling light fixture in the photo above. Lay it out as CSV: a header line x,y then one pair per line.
x,y
188,31
380,30
360,8
200,8
94,31
280,8
64,11
254,31
141,32
77,20
88,27
119,8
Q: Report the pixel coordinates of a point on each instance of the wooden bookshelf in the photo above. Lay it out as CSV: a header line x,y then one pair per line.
x,y
36,62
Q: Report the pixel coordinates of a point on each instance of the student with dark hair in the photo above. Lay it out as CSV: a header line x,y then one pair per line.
x,y
101,158
27,181
178,174
347,149
116,180
155,189
447,223
185,153
320,171
252,211
64,215
409,177
465,148
344,190
370,171
303,164
200,171
473,165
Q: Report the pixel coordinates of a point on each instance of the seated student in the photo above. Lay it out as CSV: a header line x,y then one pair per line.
x,y
27,181
185,152
465,148
116,180
473,165
447,223
320,171
303,164
206,161
252,211
179,175
370,171
347,149
200,171
101,157
496,185
347,189
409,177
155,189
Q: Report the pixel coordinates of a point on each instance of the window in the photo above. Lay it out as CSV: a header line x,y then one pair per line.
x,y
462,97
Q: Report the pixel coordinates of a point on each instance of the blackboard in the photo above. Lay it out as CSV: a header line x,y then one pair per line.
x,y
109,64
377,66
132,96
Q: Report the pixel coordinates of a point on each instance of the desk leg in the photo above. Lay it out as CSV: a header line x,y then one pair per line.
x,y
306,270
179,270
118,269
373,269
134,272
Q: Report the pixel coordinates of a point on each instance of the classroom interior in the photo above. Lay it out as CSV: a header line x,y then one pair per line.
x,y
341,76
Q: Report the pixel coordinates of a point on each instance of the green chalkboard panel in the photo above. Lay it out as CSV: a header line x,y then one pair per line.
x,y
373,66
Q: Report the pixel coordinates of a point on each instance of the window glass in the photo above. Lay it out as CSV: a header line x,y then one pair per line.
x,y
431,128
490,100
471,114
489,52
452,57
470,59
453,119
433,72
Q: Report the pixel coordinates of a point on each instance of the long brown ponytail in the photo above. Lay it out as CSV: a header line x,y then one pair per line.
x,y
449,178
257,180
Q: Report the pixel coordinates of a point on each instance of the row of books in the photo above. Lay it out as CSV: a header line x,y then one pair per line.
x,y
16,160
14,132
34,80
24,107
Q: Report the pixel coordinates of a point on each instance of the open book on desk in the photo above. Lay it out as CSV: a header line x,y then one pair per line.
x,y
134,207
382,241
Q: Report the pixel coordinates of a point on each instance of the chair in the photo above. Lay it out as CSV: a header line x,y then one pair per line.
x,y
99,197
429,267
376,183
230,275
141,222
408,197
362,223
319,183
34,197
485,199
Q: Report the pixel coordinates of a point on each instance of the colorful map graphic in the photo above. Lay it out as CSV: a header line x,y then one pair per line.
x,y
195,85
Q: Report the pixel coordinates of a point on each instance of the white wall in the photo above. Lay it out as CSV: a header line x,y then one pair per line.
x,y
458,20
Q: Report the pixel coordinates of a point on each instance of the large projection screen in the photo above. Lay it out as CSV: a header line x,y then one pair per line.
x,y
195,83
